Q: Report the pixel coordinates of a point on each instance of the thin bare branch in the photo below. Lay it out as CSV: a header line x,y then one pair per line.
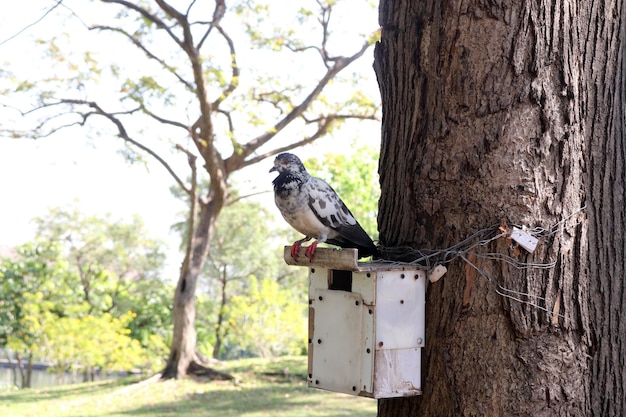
x,y
340,116
236,160
234,76
191,4
25,28
166,121
123,134
235,200
322,129
303,48
151,17
148,53
218,14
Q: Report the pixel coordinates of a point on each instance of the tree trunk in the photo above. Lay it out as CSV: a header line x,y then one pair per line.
x,y
219,330
183,358
510,111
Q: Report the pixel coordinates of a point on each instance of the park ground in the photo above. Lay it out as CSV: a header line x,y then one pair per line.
x,y
262,387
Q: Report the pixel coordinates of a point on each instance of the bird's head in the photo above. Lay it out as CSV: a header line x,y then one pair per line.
x,y
288,162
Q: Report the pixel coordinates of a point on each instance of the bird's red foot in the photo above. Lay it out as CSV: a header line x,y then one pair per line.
x,y
295,248
310,250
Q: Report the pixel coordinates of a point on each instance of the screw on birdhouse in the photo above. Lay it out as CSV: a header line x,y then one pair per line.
x,y
368,275
319,341
419,341
310,375
368,350
380,344
310,340
356,302
370,311
402,276
310,301
317,382
320,298
312,270
353,388
416,277
401,301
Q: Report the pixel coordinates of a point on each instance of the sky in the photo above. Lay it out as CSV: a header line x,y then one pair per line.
x,y
69,169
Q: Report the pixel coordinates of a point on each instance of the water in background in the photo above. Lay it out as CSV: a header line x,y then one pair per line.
x,y
40,377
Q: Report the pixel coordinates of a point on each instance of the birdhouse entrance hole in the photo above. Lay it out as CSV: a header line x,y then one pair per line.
x,y
366,324
340,280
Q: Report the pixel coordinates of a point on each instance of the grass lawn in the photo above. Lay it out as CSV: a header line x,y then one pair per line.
x,y
264,387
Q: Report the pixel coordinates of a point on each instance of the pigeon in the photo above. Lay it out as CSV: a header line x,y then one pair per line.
x,y
313,208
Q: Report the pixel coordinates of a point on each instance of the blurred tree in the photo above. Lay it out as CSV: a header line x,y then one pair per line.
x,y
79,267
77,341
35,268
245,245
268,320
219,83
109,257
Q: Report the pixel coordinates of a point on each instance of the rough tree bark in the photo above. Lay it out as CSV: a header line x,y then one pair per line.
x,y
515,111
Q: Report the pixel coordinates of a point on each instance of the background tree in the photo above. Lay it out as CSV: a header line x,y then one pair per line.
x,y
512,111
85,294
268,320
111,258
33,269
244,247
191,91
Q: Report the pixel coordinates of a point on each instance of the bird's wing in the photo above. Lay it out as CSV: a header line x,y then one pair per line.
x,y
333,213
327,205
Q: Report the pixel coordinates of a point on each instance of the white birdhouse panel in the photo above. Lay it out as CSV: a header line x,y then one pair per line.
x,y
318,279
364,283
400,297
368,349
397,373
336,341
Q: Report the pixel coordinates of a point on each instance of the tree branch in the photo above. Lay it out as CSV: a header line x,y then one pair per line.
x,y
202,131
235,200
218,14
234,76
123,134
237,160
148,53
151,17
166,121
323,126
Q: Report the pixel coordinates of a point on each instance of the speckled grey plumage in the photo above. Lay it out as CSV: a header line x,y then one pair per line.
x,y
313,208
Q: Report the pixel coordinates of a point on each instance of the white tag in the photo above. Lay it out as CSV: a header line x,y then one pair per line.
x,y
524,239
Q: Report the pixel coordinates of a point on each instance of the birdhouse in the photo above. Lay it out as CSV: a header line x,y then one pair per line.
x,y
366,324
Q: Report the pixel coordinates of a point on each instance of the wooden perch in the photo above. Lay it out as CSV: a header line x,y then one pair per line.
x,y
345,260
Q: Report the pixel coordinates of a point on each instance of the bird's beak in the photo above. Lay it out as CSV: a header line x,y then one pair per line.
x,y
274,168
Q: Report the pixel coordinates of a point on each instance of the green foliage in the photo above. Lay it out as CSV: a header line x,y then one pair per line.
x,y
268,320
77,342
355,178
107,257
34,269
245,247
86,294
